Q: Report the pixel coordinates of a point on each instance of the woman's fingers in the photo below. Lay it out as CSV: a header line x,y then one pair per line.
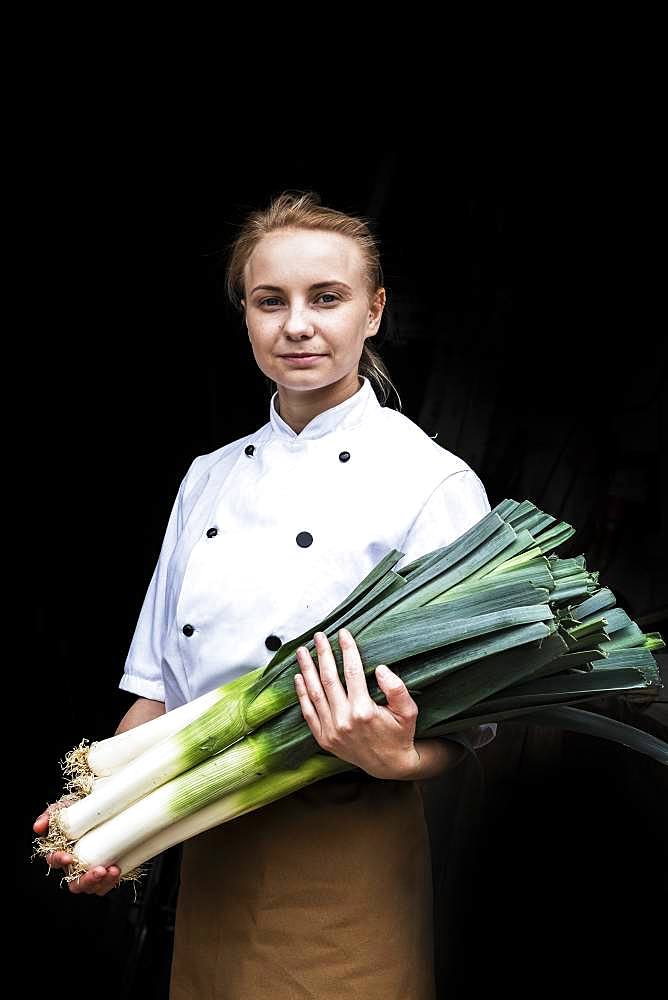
x,y
328,707
108,881
97,881
310,715
58,859
329,676
353,669
322,692
41,824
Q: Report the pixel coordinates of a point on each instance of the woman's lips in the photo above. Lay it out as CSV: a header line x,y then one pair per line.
x,y
301,360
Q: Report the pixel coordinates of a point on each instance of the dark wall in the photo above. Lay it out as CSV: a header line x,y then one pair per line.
x,y
516,292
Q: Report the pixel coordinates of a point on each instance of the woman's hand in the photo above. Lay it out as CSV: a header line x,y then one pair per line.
x,y
377,738
97,881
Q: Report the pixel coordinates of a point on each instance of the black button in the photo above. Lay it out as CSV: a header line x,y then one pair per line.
x,y
273,642
249,449
211,532
188,630
304,538
344,456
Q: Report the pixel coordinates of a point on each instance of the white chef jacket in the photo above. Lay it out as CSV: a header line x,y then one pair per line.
x,y
272,531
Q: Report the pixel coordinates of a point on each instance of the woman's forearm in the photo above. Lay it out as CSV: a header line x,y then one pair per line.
x,y
143,710
436,756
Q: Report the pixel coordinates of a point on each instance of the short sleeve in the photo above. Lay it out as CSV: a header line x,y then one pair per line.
x,y
142,673
475,737
455,505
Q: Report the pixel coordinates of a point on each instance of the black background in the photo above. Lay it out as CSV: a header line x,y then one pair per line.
x,y
133,364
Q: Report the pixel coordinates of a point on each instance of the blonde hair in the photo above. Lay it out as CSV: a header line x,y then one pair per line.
x,y
303,210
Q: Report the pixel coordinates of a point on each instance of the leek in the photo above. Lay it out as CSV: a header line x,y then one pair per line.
x,y
492,626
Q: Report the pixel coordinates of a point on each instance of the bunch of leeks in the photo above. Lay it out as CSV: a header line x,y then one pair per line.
x,y
494,626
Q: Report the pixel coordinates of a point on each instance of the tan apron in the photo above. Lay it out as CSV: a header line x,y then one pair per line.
x,y
324,894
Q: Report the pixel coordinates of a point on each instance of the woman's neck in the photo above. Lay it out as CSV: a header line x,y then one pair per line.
x,y
298,408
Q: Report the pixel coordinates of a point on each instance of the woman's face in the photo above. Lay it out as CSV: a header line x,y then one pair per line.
x,y
286,314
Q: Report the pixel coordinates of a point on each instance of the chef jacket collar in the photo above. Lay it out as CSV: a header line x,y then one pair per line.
x,y
347,414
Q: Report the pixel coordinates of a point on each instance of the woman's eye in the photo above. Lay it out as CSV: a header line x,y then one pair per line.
x,y
268,301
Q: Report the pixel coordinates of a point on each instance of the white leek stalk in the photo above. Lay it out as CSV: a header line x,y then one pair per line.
x,y
105,757
238,766
254,796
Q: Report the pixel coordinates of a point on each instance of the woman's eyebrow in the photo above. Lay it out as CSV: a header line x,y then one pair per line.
x,y
318,284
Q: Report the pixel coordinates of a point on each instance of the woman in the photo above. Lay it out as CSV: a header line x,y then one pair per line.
x,y
326,892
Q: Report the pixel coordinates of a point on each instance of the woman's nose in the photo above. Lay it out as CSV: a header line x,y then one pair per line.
x,y
298,321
